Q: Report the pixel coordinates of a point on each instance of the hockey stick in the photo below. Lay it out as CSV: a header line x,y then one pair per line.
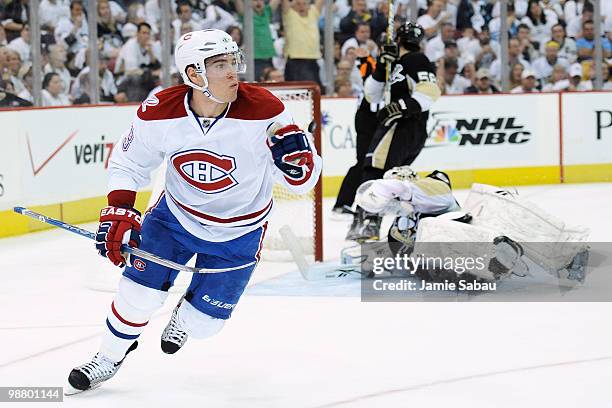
x,y
318,271
125,248
389,40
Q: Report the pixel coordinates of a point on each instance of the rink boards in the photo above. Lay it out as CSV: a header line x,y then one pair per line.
x,y
55,159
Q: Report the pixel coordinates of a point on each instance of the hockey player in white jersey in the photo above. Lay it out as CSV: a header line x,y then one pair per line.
x,y
225,144
505,226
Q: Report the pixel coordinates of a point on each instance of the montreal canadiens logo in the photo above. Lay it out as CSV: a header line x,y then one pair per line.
x,y
140,265
206,171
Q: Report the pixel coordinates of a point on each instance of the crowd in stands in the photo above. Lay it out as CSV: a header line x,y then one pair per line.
x,y
551,46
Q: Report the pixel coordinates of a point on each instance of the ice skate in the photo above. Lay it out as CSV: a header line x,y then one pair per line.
x,y
354,232
173,338
91,375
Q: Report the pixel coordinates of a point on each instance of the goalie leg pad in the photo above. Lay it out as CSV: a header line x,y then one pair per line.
x,y
547,240
130,312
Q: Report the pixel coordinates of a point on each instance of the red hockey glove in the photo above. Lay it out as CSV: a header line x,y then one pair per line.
x,y
117,226
291,152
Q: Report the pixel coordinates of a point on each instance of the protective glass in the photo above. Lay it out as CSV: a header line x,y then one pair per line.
x,y
217,67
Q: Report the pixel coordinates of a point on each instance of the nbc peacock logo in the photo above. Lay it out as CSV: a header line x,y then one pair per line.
x,y
442,130
446,134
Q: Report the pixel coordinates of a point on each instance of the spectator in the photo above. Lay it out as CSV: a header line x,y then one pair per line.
x,y
108,31
469,73
489,50
361,40
513,24
543,66
81,89
433,19
380,19
539,23
226,5
16,15
302,41
52,11
468,44
553,7
586,44
185,16
73,31
25,75
574,27
8,97
135,16
434,49
2,36
21,44
607,77
572,10
567,46
528,50
217,17
57,59
264,46
514,57
453,84
358,14
236,33
3,60
347,69
342,88
139,53
136,88
271,74
13,65
53,91
558,80
483,83
515,75
473,13
575,79
528,83
452,52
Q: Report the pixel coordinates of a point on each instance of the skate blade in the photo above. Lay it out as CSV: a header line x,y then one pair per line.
x,y
70,390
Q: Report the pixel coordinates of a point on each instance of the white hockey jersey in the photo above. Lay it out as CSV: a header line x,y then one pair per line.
x,y
219,178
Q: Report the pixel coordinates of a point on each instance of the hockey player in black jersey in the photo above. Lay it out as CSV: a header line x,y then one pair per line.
x,y
401,125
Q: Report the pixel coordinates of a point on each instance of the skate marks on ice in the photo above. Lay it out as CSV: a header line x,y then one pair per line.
x,y
370,399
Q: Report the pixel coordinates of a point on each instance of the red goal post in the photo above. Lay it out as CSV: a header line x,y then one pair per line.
x,y
303,100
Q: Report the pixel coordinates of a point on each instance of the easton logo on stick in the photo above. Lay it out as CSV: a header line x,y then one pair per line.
x,y
206,171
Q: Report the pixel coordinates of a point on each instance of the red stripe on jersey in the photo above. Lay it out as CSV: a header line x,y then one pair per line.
x,y
222,220
261,239
122,320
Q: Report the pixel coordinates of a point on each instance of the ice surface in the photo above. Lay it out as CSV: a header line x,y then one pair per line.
x,y
314,345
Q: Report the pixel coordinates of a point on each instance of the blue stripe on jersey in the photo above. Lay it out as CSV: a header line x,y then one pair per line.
x,y
119,334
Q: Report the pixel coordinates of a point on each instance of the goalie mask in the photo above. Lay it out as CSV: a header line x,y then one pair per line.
x,y
194,48
403,173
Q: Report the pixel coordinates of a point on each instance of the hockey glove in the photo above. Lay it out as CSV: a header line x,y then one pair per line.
x,y
397,110
117,226
291,152
388,54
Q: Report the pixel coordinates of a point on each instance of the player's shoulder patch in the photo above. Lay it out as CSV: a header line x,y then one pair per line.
x,y
255,103
166,104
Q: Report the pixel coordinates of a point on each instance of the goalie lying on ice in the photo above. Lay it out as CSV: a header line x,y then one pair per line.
x,y
493,223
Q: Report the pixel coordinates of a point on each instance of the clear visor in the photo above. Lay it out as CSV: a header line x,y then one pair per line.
x,y
221,66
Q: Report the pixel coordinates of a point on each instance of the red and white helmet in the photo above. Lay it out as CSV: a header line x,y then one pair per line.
x,y
195,47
